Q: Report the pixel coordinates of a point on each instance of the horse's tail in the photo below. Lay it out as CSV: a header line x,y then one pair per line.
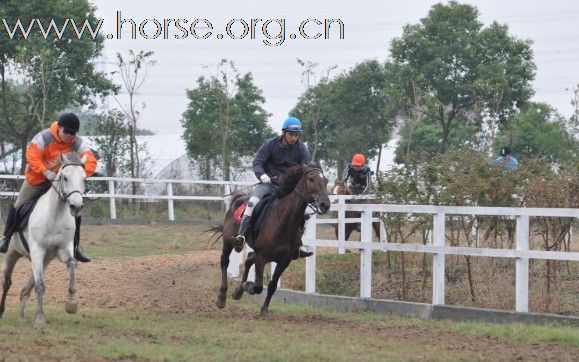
x,y
217,233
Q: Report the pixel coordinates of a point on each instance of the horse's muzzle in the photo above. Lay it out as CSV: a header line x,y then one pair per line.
x,y
323,206
76,210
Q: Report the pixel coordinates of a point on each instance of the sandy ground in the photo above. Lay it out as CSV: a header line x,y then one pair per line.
x,y
171,283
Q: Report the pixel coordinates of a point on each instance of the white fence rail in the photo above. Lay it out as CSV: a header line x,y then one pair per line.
x,y
437,246
113,195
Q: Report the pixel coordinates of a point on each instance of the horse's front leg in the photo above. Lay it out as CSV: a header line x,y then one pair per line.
x,y
249,261
225,253
72,303
37,258
272,286
7,268
25,295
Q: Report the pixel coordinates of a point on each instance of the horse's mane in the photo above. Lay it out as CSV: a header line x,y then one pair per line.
x,y
290,179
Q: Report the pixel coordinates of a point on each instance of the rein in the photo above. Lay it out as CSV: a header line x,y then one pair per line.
x,y
60,191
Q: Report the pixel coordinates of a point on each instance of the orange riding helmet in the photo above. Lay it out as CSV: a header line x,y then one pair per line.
x,y
358,160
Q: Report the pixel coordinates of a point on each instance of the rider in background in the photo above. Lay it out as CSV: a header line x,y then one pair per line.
x,y
42,155
272,160
359,174
506,159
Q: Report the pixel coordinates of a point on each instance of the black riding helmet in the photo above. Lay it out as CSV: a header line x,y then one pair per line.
x,y
70,122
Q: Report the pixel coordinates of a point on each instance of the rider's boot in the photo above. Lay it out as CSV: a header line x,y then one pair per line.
x,y
8,230
239,240
304,251
78,254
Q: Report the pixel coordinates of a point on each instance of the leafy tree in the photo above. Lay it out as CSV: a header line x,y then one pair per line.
x,y
539,132
40,77
225,120
453,72
112,138
346,115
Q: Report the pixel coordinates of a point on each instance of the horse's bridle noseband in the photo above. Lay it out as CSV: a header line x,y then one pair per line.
x,y
60,191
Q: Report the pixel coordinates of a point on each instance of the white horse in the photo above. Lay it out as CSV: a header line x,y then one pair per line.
x,y
50,234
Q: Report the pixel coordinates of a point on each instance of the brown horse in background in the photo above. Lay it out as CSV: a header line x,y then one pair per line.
x,y
340,188
279,235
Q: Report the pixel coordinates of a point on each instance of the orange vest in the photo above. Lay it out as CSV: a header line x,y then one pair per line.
x,y
45,149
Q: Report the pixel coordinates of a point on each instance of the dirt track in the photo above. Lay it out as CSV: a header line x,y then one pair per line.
x,y
172,283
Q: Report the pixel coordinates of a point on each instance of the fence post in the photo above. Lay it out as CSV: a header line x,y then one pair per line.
x,y
366,256
170,208
310,239
112,205
522,265
341,226
438,259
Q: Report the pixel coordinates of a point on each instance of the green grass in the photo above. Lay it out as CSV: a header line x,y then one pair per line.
x,y
567,335
145,335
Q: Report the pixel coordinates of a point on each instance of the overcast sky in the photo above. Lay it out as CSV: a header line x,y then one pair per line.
x,y
369,28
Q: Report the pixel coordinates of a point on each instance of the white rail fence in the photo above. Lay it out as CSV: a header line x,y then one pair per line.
x,y
437,245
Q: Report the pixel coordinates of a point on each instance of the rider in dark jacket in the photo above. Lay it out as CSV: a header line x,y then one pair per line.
x,y
272,160
358,174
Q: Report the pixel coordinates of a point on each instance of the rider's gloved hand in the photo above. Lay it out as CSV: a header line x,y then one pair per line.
x,y
49,175
264,179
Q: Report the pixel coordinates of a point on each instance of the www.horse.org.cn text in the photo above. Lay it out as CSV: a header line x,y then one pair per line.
x,y
271,32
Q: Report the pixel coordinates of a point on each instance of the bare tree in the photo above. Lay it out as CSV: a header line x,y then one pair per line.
x,y
133,72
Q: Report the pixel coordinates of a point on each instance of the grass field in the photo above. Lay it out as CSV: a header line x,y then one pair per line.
x,y
149,295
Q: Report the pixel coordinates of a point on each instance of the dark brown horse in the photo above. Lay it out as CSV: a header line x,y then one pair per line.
x,y
279,236
340,188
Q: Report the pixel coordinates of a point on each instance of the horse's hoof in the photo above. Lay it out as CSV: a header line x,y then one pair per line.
x,y
237,293
258,290
39,323
71,308
264,313
220,303
249,287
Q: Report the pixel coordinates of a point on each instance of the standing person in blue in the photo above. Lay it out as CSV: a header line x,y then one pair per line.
x,y
272,160
358,174
506,159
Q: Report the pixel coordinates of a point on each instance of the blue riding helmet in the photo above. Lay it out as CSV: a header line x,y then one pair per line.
x,y
292,124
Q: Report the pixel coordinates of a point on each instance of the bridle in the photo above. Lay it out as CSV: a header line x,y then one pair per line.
x,y
310,200
60,190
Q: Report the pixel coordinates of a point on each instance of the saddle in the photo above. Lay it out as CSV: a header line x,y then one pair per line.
x,y
22,216
256,218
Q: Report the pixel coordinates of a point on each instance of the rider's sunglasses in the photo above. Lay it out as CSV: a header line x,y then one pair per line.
x,y
67,131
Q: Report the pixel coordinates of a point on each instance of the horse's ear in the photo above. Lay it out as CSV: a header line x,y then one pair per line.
x,y
61,158
83,159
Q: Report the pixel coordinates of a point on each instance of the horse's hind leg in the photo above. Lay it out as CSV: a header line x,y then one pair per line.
x,y
72,304
7,268
225,253
272,286
257,286
249,261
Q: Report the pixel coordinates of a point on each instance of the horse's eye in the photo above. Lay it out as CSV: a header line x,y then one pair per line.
x,y
65,178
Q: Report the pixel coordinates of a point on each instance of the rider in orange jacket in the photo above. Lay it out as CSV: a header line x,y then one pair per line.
x,y
42,155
